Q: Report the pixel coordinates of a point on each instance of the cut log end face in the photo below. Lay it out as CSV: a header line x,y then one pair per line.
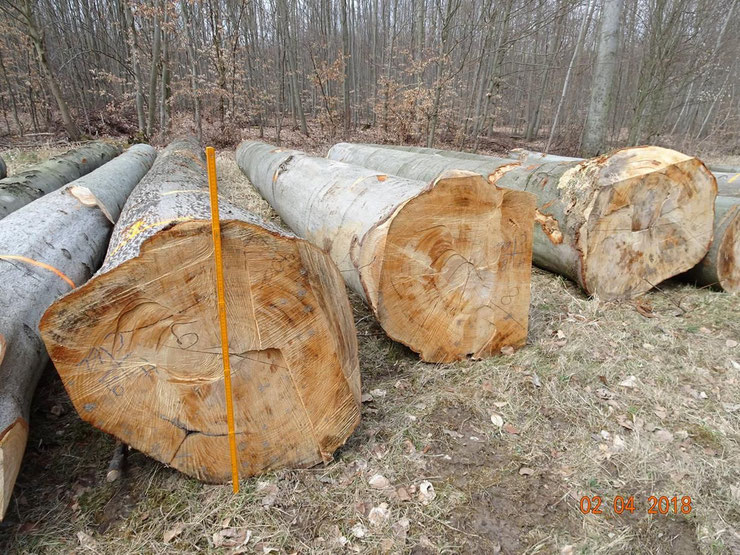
x,y
12,446
650,219
456,266
728,253
138,350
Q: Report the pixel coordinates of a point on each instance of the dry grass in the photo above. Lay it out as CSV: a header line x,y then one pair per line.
x,y
570,429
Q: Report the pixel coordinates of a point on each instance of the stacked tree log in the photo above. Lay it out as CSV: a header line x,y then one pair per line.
x,y
138,346
28,185
720,267
444,264
617,225
46,248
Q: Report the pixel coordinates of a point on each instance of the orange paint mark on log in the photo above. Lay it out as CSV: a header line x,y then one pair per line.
x,y
40,265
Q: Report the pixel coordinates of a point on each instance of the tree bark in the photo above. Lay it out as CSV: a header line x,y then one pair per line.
x,y
154,70
617,225
65,230
594,136
138,348
720,268
3,169
28,185
443,264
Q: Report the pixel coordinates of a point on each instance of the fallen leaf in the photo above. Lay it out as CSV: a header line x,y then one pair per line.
x,y
453,434
400,528
426,492
509,429
378,515
567,550
231,537
500,404
172,533
497,420
403,494
526,471
625,422
270,492
378,481
731,343
366,398
630,382
535,380
663,436
507,350
87,541
358,530
705,331
378,393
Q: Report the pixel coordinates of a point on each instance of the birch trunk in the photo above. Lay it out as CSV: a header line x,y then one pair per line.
x,y
443,264
67,230
617,225
139,351
28,185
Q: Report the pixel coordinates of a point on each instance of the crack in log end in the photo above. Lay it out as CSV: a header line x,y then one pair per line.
x,y
448,254
549,227
645,223
149,366
12,446
3,347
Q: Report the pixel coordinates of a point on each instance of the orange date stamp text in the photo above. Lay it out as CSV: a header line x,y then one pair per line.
x,y
656,505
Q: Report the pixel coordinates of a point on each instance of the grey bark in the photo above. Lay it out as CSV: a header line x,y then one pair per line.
x,y
594,136
71,236
26,186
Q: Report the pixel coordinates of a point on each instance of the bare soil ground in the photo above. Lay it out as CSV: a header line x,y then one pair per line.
x,y
607,399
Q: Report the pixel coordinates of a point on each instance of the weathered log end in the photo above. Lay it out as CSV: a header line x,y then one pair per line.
x,y
12,446
650,219
138,350
728,251
455,277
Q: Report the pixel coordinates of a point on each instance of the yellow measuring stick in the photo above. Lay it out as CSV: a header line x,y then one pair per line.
x,y
216,229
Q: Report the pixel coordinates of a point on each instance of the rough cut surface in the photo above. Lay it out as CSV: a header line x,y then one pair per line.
x,y
138,347
62,232
443,264
35,182
617,225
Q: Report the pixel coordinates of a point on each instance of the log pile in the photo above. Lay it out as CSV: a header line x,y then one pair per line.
x,y
617,225
46,248
444,264
720,267
138,346
28,185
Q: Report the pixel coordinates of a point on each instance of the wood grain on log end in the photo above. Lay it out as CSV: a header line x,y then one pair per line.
x,y
138,350
455,276
12,446
650,218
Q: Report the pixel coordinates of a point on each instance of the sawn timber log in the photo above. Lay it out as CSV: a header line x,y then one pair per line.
x,y
443,264
138,346
66,230
24,187
617,224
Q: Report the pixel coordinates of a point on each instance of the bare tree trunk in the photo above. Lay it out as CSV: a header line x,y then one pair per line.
x,y
346,62
157,45
134,48
566,83
594,136
37,36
